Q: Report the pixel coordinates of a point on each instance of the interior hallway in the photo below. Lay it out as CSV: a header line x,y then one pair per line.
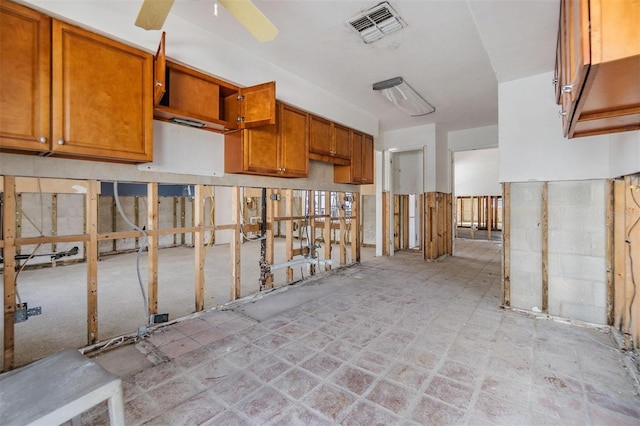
x,y
391,341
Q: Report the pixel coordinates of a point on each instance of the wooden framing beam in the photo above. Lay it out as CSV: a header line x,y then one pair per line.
x,y
234,246
545,246
9,274
609,251
506,244
311,195
405,222
632,270
343,228
288,211
489,216
386,231
152,248
91,247
271,206
356,238
327,228
199,244
619,254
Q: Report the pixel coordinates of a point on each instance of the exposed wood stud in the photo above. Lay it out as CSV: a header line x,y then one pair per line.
x,y
506,244
152,248
174,218
288,211
91,247
183,219
632,251
9,273
619,253
489,217
198,245
545,247
311,196
136,217
327,228
271,206
420,217
356,241
343,228
234,245
386,237
609,257
18,221
405,222
114,222
54,220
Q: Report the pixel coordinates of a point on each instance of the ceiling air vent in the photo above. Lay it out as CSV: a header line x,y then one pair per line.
x,y
376,22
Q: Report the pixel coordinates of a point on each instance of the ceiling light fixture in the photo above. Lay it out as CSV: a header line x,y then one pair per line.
x,y
398,92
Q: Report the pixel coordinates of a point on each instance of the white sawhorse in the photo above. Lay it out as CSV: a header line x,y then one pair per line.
x,y
57,389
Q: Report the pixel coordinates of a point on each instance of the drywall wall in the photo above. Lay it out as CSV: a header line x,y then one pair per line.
x,y
411,139
203,50
532,146
407,169
624,154
577,250
476,138
476,173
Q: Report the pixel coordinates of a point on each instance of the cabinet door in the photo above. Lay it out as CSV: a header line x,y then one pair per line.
x,y
367,159
293,141
258,105
357,140
261,150
102,97
25,69
578,53
341,142
160,72
320,136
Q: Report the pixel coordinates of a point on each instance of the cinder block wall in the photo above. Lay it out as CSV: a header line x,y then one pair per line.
x,y
526,245
577,250
576,237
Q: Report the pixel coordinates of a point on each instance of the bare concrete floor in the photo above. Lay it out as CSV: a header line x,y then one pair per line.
x,y
395,341
62,293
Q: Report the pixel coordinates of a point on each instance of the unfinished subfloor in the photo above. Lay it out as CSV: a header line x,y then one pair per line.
x,y
391,341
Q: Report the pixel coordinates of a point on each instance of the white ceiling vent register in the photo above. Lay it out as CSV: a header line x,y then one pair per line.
x,y
377,22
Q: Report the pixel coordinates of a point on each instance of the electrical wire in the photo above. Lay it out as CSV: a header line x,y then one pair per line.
x,y
33,252
142,246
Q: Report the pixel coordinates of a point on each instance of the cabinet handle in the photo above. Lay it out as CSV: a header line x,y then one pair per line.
x,y
60,141
567,88
562,113
159,83
42,139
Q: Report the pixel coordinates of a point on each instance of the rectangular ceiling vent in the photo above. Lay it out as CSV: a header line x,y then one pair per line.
x,y
376,22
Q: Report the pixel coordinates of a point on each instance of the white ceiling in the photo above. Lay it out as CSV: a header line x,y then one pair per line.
x,y
453,52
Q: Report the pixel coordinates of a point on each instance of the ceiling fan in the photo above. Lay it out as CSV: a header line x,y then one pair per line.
x,y
153,13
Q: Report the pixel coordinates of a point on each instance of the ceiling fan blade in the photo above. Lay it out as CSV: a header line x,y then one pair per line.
x,y
153,13
252,18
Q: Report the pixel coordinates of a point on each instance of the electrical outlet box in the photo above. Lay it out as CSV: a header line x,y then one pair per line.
x,y
275,197
23,312
159,318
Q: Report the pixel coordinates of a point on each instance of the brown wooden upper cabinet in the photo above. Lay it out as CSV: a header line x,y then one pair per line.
x,y
598,66
329,141
360,171
280,149
69,92
186,96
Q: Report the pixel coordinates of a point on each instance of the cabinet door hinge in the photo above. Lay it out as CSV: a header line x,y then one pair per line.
x,y
240,119
240,97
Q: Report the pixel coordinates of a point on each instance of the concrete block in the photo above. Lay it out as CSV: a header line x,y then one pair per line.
x,y
526,284
526,239
576,311
526,193
571,291
576,266
526,261
569,242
